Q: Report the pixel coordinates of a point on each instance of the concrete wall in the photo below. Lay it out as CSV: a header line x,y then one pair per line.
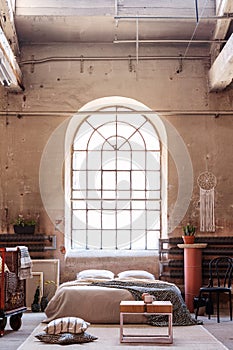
x,y
56,89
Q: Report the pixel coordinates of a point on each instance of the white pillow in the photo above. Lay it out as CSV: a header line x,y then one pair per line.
x,y
98,274
73,325
139,274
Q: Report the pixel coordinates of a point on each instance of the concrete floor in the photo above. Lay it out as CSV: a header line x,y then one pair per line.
x,y
223,331
11,340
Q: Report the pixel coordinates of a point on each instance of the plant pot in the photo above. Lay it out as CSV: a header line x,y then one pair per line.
x,y
35,307
24,229
188,239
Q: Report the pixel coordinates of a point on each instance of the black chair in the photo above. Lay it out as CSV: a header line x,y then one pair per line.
x,y
220,275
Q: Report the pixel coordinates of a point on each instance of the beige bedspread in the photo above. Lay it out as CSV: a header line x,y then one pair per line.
x,y
92,303
97,301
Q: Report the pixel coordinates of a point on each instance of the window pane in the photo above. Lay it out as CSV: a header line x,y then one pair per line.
x,y
153,240
138,180
153,180
153,220
138,241
123,219
79,180
79,204
123,161
139,220
79,239
109,180
78,219
138,205
139,160
153,161
123,239
94,219
93,160
151,141
108,160
153,205
94,204
82,137
94,239
122,204
79,160
109,220
109,239
95,142
137,142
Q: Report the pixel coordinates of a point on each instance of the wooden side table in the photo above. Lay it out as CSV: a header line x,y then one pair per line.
x,y
139,307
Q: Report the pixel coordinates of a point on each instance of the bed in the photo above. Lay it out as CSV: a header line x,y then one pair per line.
x,y
96,298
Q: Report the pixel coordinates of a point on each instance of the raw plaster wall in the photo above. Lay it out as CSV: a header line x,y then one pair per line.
x,y
54,90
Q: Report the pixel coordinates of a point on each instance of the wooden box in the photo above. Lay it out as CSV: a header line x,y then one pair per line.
x,y
132,306
159,307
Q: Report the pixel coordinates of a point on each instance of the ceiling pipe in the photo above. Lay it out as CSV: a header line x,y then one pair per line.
x,y
228,16
119,58
20,114
168,41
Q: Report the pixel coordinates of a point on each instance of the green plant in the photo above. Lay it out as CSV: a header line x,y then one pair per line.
x,y
189,230
22,221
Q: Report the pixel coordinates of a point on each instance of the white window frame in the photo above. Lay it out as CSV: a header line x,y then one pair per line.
x,y
76,122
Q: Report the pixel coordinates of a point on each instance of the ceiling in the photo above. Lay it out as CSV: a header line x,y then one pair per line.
x,y
204,26
104,20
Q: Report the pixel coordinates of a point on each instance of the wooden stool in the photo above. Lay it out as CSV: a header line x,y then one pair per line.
x,y
140,308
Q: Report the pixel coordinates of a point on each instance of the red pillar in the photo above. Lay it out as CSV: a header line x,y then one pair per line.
x,y
192,271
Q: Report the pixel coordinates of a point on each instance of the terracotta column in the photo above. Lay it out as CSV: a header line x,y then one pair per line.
x,y
192,271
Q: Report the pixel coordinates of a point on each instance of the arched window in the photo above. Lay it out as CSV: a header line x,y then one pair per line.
x,y
116,187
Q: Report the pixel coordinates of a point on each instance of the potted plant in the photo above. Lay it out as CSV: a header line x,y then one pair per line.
x,y
189,234
24,225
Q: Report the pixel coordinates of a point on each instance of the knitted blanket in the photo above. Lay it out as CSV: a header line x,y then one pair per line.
x,y
25,263
161,291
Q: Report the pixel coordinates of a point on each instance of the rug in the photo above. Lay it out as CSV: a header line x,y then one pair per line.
x,y
187,337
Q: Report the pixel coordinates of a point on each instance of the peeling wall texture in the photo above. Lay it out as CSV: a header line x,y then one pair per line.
x,y
55,90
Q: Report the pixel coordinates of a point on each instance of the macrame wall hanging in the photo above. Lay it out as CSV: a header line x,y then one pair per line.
x,y
207,182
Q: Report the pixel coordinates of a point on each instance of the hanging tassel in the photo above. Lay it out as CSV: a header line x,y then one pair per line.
x,y
207,218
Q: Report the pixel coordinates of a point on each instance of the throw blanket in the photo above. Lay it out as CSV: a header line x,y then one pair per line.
x,y
25,263
161,291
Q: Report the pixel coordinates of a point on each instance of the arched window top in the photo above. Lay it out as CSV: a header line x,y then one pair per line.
x,y
133,129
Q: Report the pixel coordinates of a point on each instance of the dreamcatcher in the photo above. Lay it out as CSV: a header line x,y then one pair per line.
x,y
207,182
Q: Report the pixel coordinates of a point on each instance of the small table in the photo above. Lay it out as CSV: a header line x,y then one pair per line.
x,y
140,308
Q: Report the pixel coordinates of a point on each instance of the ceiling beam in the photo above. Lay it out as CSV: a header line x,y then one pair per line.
x,y
10,73
221,72
8,25
223,8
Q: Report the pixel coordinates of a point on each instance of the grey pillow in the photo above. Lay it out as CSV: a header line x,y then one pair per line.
x,y
65,338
